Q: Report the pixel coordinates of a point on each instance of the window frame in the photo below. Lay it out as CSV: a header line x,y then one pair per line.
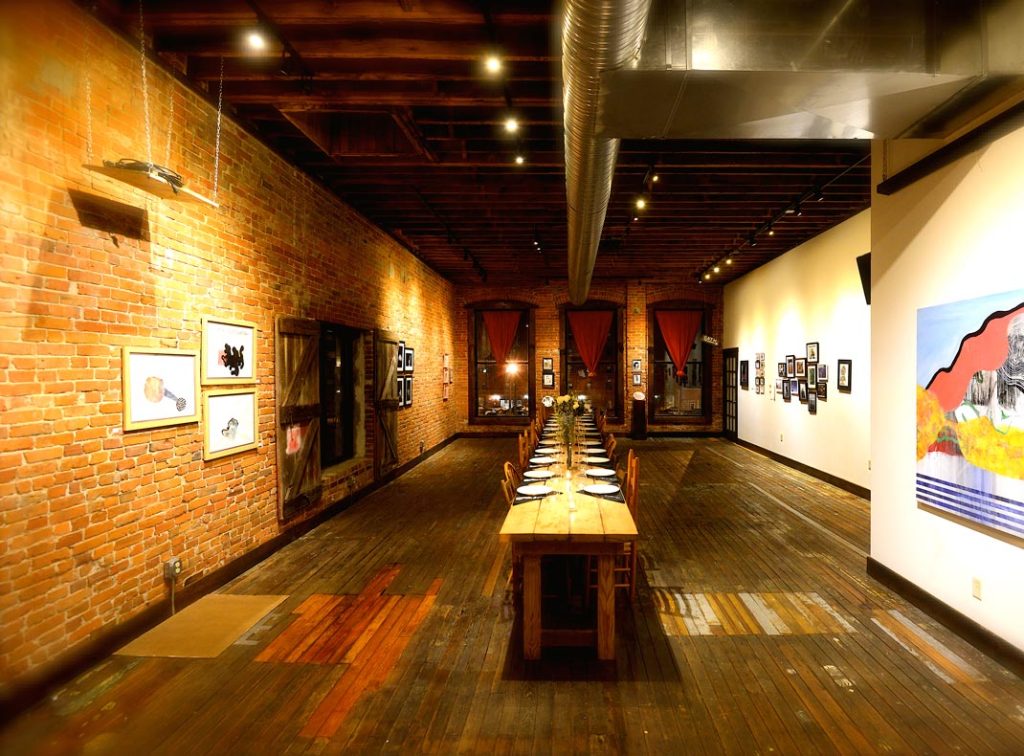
x,y
347,339
618,333
473,312
653,416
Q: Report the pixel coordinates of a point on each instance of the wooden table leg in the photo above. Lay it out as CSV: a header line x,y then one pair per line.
x,y
606,606
531,606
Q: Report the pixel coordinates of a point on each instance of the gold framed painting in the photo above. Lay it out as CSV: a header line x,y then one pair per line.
x,y
159,387
229,351
231,422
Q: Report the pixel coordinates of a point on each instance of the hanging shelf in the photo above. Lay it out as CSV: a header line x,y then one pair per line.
x,y
152,182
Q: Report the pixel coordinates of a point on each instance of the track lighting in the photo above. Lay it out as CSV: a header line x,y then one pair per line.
x,y
511,125
256,41
520,160
752,241
492,64
641,203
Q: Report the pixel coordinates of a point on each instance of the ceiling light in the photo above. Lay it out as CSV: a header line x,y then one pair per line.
x,y
492,64
636,218
752,241
771,232
256,41
817,196
641,203
511,125
520,160
707,276
728,261
654,178
799,210
717,269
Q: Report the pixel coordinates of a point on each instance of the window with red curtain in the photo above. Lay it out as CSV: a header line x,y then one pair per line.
x,y
590,366
501,379
677,391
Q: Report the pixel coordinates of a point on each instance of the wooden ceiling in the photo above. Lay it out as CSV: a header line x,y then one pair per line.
x,y
387,103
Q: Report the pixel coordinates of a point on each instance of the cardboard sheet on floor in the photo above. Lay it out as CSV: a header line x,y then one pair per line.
x,y
203,629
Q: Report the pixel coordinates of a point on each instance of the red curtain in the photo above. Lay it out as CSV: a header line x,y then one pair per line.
x,y
501,327
678,329
590,328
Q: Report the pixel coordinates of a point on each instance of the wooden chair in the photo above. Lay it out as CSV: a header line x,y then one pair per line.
x,y
513,473
508,489
624,571
623,474
609,446
524,451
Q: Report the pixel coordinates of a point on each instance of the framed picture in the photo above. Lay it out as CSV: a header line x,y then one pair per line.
x,y
790,366
445,376
812,377
446,392
822,372
802,390
230,416
636,379
787,391
778,385
400,363
822,391
801,367
229,351
409,359
794,386
636,366
812,402
159,387
446,361
744,374
812,351
547,380
400,390
408,389
844,376
782,370
548,364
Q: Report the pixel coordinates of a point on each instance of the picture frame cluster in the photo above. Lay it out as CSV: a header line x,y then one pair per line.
x,y
405,364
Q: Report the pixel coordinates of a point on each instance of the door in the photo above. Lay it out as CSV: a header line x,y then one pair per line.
x,y
298,415
730,366
385,405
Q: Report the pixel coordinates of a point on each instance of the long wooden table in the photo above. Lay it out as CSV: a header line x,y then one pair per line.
x,y
568,522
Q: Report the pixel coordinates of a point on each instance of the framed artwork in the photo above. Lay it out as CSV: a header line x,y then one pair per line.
x,y
787,391
844,376
782,370
408,390
409,359
812,402
790,366
229,351
547,380
778,385
548,364
812,351
744,374
159,387
822,372
401,360
794,386
400,390
802,390
636,379
230,416
757,365
445,375
812,377
446,392
636,366
446,361
822,391
801,367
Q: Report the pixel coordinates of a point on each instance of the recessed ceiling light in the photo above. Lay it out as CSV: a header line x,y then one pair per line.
x,y
641,203
256,41
520,160
771,232
728,261
492,64
717,269
511,125
654,178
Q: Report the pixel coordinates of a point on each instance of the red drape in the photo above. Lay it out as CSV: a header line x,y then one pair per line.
x,y
590,328
678,328
501,327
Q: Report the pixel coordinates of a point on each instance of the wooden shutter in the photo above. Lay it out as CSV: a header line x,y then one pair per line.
x,y
385,402
298,415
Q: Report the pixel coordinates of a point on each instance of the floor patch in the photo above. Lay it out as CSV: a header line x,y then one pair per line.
x,y
698,614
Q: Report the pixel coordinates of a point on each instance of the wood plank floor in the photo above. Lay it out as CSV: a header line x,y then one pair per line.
x,y
755,630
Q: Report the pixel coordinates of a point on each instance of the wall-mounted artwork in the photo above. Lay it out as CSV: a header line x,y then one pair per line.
x,y
778,385
410,359
812,351
159,387
802,390
787,391
408,391
812,402
400,362
782,370
230,417
844,376
400,390
548,364
547,380
229,351
812,377
636,379
822,372
801,367
822,390
970,410
744,374
790,366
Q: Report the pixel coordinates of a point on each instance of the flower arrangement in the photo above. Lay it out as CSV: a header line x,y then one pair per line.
x,y
567,409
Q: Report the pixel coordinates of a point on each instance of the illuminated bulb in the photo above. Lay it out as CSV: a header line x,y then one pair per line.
x,y
771,232
520,160
654,178
635,218
511,368
641,203
493,64
717,269
256,41
511,125
495,397
728,261
707,276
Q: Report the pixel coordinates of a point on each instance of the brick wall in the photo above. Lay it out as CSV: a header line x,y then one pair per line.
x,y
88,513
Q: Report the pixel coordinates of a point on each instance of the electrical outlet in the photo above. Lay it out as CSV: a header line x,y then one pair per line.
x,y
172,568
976,588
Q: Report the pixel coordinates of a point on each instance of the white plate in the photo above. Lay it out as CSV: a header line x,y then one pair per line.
x,y
535,489
547,450
601,489
538,474
593,442
541,460
599,472
597,460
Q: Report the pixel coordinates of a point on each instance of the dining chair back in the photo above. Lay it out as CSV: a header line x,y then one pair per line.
x,y
524,451
609,445
508,489
513,473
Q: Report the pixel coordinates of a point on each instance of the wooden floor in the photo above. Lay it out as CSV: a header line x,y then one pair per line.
x,y
756,630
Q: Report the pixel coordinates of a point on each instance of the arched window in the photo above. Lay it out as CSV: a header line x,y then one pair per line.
x,y
591,355
501,356
680,365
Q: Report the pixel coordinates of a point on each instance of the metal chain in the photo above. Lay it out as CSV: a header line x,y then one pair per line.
x,y
170,130
216,154
88,119
145,85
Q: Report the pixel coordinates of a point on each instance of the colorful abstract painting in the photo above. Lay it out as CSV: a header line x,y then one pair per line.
x,y
970,410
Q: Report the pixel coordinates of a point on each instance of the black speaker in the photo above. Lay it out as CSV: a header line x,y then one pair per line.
x,y
864,266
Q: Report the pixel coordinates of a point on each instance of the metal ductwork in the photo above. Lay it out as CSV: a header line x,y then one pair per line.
x,y
598,36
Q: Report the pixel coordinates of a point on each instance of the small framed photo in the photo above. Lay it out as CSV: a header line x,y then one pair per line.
x,y
812,402
636,379
445,378
812,351
822,391
778,385
822,372
231,418
744,374
812,377
229,351
408,391
636,366
787,391
409,359
801,367
547,380
446,391
400,363
159,387
802,390
782,370
790,366
400,390
548,364
844,376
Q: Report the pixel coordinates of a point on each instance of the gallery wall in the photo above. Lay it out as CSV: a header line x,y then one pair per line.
x,y
89,512
812,293
954,235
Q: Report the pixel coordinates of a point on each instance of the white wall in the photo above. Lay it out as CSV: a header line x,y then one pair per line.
x,y
812,293
953,235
